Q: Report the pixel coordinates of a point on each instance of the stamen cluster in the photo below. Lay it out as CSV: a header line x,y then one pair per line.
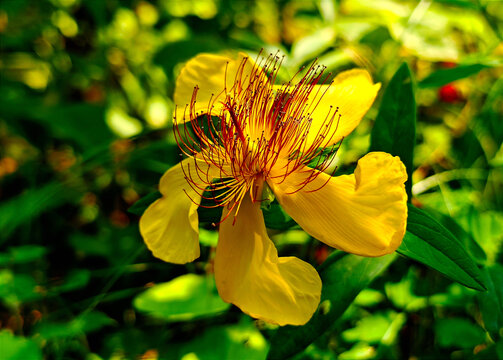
x,y
259,134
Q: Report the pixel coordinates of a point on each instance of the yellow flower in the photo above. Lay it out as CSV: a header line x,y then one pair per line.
x,y
258,135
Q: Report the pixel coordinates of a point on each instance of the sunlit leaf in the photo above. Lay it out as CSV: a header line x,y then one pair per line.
x,y
241,341
360,351
369,298
208,237
456,296
312,45
372,329
18,348
184,298
402,295
487,229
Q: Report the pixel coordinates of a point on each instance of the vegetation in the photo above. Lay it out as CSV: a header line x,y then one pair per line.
x,y
86,133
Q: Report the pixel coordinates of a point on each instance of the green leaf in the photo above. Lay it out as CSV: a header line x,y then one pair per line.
x,y
276,218
360,351
208,237
342,280
240,341
312,45
17,288
430,243
487,229
369,298
394,130
18,348
22,254
491,302
402,296
80,122
184,298
85,323
76,279
458,332
472,246
445,76
372,329
23,208
488,120
139,207
492,352
175,52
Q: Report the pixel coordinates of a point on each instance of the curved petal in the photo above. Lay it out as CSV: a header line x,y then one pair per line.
x,y
249,273
364,213
169,226
214,75
353,92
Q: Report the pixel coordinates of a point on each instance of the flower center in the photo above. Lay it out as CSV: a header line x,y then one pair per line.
x,y
262,133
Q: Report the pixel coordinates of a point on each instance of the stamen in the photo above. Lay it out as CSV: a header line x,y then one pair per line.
x,y
260,133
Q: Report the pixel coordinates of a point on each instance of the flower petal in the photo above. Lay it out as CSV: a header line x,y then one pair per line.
x,y
353,92
249,273
364,213
213,75
169,226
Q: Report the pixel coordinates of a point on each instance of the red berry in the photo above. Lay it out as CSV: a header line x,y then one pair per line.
x,y
448,93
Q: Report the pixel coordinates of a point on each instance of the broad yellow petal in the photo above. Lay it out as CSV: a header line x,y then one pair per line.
x,y
214,76
169,226
249,273
353,93
364,213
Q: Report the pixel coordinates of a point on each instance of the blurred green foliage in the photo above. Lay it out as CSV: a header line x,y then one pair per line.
x,y
85,132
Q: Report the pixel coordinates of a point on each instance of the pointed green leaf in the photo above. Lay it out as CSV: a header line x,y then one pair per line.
x,y
394,130
342,280
445,76
430,243
470,244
